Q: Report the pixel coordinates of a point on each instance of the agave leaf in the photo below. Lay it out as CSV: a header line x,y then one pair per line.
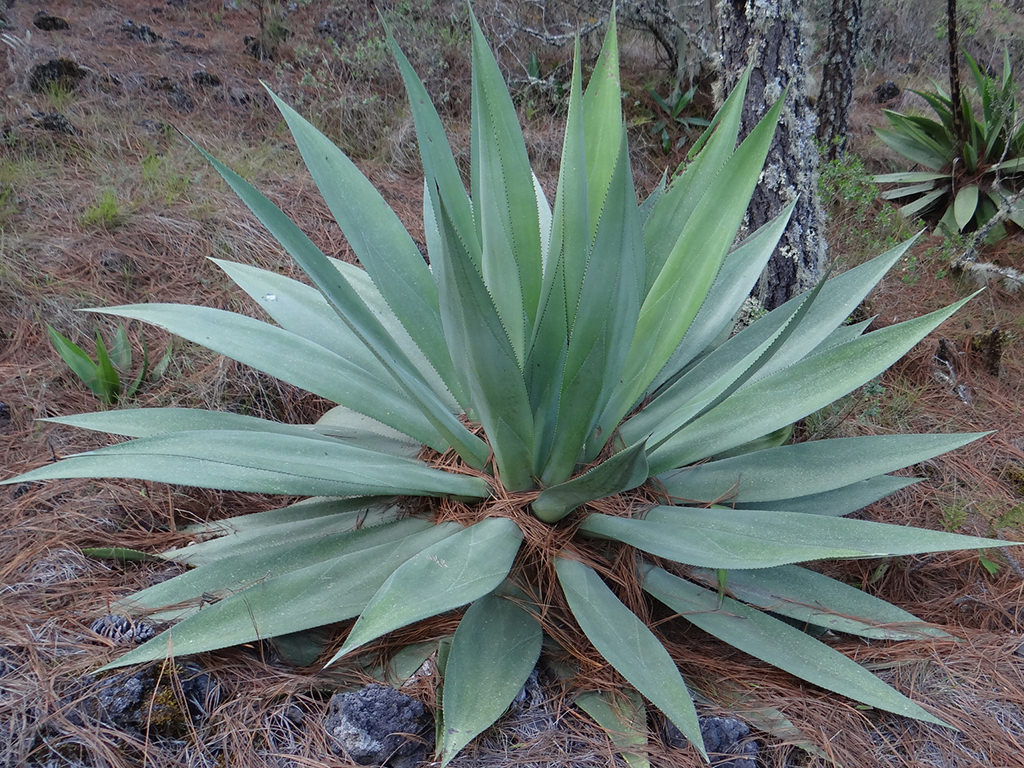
x,y
647,206
814,598
493,652
345,424
838,297
623,718
439,168
679,289
755,538
740,374
603,127
792,393
446,575
303,310
624,471
927,132
326,592
254,559
504,200
307,509
275,351
778,644
970,157
813,467
628,645
563,275
911,176
261,463
605,322
301,649
913,147
907,191
120,554
923,202
942,107
1010,166
305,523
493,377
378,239
364,323
677,204
732,285
841,501
965,204
148,422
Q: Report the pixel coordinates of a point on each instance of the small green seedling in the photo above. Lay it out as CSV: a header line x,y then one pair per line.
x,y
665,127
103,377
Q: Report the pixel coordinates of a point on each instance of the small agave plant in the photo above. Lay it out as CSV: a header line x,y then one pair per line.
x,y
968,181
542,430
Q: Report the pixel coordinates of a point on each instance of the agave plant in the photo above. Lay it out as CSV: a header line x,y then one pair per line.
x,y
544,424
968,183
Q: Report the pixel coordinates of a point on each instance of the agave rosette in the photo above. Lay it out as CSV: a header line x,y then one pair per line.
x,y
558,355
968,186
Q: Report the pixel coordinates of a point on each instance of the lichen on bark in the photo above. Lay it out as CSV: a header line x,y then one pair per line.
x,y
768,35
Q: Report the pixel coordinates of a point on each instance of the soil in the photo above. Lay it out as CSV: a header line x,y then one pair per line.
x,y
103,202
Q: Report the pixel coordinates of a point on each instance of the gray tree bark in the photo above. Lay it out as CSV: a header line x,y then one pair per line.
x,y
767,33
841,47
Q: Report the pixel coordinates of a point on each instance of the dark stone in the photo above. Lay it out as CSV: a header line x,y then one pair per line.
x,y
725,739
63,73
141,32
116,261
204,78
147,700
123,630
54,121
372,726
5,417
176,95
49,23
326,27
21,489
887,91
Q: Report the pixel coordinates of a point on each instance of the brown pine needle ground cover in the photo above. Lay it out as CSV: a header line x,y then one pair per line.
x,y
64,246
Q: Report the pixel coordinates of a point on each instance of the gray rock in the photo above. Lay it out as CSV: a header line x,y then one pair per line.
x,y
49,23
54,121
118,262
377,725
887,91
146,700
203,78
63,73
141,32
725,739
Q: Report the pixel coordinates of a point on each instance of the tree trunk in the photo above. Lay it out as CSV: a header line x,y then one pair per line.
x,y
767,33
959,130
841,49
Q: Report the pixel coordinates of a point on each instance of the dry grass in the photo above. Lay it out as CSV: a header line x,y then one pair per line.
x,y
173,214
